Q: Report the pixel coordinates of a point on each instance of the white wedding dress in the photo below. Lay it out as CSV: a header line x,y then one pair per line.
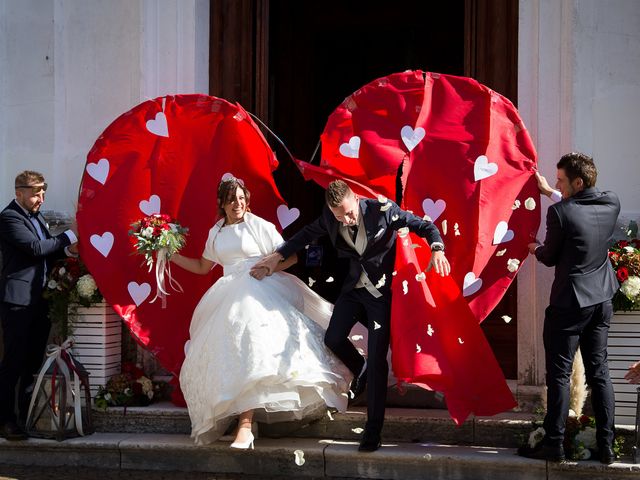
x,y
257,344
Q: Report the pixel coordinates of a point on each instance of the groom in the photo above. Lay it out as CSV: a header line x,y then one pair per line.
x,y
363,231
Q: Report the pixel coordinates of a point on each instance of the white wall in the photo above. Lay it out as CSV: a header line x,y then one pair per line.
x,y
68,68
607,94
578,89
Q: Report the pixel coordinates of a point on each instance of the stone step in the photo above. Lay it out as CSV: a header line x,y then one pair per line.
x,y
167,455
507,430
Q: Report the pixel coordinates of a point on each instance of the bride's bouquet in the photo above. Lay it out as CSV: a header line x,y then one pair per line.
x,y
159,236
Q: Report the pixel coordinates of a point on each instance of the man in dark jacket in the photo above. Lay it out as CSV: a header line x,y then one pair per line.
x,y
364,231
28,250
580,230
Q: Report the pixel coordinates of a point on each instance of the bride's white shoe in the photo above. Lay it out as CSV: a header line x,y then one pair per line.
x,y
246,444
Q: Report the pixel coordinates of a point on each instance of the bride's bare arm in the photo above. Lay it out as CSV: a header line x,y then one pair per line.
x,y
200,266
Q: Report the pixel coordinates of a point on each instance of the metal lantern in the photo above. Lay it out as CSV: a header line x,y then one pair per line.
x,y
61,401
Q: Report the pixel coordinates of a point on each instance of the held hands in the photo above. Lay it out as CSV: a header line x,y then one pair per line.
x,y
633,374
440,263
259,272
266,266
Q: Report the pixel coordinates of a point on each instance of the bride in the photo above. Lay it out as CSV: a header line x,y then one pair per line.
x,y
256,347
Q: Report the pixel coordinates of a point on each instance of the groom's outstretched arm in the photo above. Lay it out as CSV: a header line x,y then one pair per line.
x,y
309,233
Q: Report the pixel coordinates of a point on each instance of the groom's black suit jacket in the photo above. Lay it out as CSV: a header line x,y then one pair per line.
x,y
579,233
380,225
24,255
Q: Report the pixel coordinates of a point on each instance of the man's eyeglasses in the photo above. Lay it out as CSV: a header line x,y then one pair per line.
x,y
35,189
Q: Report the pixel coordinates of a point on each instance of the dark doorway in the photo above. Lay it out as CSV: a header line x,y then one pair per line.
x,y
293,62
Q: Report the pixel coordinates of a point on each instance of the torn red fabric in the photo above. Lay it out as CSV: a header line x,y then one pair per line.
x,y
166,156
467,164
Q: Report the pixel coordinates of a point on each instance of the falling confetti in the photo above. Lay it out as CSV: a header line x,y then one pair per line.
x,y
418,348
376,325
299,457
355,338
427,456
382,281
330,415
382,199
513,264
420,276
516,204
415,245
530,204
456,229
394,273
394,218
506,318
357,430
360,351
329,280
430,330
311,282
500,253
403,232
444,227
427,218
385,207
460,341
405,287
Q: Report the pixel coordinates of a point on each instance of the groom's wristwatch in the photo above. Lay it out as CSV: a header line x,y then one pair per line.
x,y
437,247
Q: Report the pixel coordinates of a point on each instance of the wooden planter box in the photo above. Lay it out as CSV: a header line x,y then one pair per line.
x,y
98,343
624,350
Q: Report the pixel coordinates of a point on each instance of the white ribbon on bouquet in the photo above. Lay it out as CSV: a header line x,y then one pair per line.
x,y
163,268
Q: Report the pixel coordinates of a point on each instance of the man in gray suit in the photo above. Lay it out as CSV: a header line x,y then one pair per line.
x,y
580,230
28,251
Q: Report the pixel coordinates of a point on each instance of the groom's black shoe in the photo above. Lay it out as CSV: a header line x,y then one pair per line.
x,y
370,442
358,386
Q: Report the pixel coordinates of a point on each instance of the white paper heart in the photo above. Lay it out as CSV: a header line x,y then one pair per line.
x,y
99,171
102,243
483,168
433,209
352,148
411,137
139,292
151,206
471,284
286,215
502,233
158,126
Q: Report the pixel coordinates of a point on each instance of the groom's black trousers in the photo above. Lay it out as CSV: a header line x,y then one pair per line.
x,y
25,330
358,305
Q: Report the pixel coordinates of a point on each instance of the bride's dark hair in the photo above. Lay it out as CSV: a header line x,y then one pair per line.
x,y
227,193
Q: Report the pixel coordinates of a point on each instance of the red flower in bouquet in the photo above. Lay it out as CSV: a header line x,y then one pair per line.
x,y
624,256
157,233
622,274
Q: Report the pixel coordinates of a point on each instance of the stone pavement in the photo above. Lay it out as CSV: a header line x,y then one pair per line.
x,y
120,455
153,442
